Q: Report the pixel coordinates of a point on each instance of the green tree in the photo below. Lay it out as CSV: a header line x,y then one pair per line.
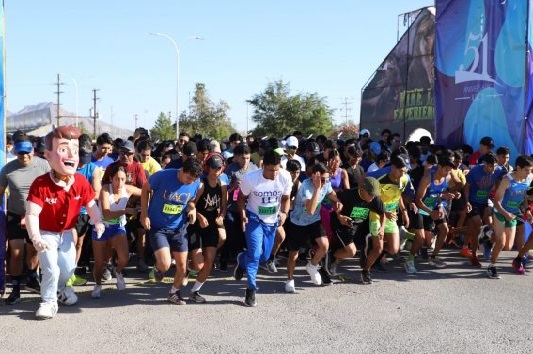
x,y
163,129
278,113
206,118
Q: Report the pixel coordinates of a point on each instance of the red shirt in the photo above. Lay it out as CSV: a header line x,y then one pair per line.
x,y
60,208
135,174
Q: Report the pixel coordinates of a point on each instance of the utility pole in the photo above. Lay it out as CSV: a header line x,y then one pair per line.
x,y
58,93
95,112
346,109
136,119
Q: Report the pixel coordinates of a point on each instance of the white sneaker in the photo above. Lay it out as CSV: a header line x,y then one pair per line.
x,y
97,291
46,311
67,296
289,286
312,270
121,283
409,267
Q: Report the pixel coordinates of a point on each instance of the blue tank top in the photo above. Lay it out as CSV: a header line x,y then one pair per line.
x,y
336,180
87,171
433,193
515,194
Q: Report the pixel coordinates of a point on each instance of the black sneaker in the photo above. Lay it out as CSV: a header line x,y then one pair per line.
x,y
13,298
223,266
378,267
33,285
365,277
249,300
238,272
424,253
197,298
326,280
176,298
492,272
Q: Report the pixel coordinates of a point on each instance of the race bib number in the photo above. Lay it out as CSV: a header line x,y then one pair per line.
x,y
513,204
172,209
482,194
359,214
391,206
113,221
430,202
267,210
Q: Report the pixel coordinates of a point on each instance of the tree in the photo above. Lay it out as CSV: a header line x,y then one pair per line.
x,y
277,113
163,129
348,130
206,118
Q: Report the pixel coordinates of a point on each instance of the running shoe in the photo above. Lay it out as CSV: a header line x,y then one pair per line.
x,y
14,297
312,270
475,261
176,298
249,299
46,311
289,286
492,272
76,280
269,266
465,252
97,292
424,253
106,274
196,297
238,272
33,285
156,275
332,269
365,277
409,267
324,276
121,283
518,265
67,296
378,267
437,262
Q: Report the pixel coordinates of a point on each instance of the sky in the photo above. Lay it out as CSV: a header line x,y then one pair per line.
x,y
234,47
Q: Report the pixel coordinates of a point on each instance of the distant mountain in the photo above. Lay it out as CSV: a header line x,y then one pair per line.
x,y
38,120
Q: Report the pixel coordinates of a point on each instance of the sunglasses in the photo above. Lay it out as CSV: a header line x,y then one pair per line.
x,y
292,147
129,153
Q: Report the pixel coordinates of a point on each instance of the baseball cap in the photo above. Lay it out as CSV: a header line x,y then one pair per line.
x,y
214,161
291,141
279,151
215,146
375,147
23,146
364,132
313,147
371,186
189,149
128,145
487,141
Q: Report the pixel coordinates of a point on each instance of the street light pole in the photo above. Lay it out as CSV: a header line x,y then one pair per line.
x,y
177,78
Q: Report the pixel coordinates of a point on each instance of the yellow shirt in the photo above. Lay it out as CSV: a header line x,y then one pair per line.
x,y
151,166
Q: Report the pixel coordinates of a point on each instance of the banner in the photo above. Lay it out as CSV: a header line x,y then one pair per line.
x,y
399,96
2,151
480,72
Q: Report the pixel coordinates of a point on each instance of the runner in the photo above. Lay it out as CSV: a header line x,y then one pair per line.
x,y
167,208
263,205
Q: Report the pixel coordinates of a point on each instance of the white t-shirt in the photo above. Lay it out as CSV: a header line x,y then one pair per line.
x,y
298,158
264,195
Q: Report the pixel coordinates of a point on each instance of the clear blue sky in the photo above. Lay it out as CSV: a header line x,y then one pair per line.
x,y
327,47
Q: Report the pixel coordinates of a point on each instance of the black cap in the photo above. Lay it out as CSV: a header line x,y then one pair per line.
x,y
312,147
214,161
189,149
487,141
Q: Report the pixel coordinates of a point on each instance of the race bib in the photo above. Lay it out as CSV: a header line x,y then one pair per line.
x,y
430,201
267,210
391,206
359,214
113,221
172,209
482,194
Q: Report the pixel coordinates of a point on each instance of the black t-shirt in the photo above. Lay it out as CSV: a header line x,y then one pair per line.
x,y
416,175
354,175
357,209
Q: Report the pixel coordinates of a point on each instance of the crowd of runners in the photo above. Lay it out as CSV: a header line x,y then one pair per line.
x,y
80,211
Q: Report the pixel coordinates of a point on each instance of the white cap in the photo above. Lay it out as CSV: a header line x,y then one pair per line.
x,y
291,141
364,131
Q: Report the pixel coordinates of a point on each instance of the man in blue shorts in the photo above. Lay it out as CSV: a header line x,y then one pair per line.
x,y
167,208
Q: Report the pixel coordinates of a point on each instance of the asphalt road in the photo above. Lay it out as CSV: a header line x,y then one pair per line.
x,y
452,310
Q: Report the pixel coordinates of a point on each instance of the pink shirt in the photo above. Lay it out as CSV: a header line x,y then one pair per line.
x,y
60,208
